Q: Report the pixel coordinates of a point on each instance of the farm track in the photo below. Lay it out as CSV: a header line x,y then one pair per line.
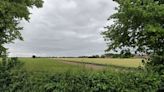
x,y
85,65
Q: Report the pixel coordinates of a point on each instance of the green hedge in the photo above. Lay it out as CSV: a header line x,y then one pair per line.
x,y
104,82
14,79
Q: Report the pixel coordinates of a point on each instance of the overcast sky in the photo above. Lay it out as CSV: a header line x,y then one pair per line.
x,y
65,28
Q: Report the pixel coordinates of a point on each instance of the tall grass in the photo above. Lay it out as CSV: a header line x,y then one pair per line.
x,y
48,66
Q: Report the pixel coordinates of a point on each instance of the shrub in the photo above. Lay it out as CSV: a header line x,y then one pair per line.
x,y
33,56
104,82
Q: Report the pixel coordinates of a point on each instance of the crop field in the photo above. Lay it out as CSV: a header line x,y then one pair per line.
x,y
47,65
59,65
107,61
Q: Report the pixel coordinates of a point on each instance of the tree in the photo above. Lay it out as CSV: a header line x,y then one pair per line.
x,y
126,54
138,24
11,13
33,56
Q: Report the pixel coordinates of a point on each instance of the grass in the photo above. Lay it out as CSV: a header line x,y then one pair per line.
x,y
51,66
46,65
132,63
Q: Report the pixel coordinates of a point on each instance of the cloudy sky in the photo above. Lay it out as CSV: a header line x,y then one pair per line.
x,y
65,28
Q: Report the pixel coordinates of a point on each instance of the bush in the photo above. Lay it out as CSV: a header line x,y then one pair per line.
x,y
33,56
80,82
104,82
10,78
94,56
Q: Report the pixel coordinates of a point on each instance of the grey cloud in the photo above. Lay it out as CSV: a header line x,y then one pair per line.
x,y
65,28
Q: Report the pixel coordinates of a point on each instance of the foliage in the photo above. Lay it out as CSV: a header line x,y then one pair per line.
x,y
103,82
16,79
94,56
123,54
8,79
156,63
126,54
138,24
12,12
33,56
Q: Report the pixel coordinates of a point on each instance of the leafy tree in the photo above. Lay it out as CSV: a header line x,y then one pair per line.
x,y
11,13
126,54
33,56
137,24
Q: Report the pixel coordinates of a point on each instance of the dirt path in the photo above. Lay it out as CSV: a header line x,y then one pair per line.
x,y
85,65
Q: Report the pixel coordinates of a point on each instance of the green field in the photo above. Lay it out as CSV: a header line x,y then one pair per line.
x,y
56,65
108,61
47,65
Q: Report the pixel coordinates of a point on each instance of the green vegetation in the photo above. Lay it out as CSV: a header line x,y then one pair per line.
x,y
104,82
138,24
51,66
108,61
12,12
48,75
47,65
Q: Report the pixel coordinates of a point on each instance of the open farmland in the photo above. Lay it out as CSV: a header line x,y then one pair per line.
x,y
133,63
72,65
47,65
59,65
52,66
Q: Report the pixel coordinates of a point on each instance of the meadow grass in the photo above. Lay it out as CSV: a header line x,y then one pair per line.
x,y
132,62
45,65
50,66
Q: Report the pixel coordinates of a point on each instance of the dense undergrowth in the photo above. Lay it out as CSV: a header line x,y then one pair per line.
x,y
14,79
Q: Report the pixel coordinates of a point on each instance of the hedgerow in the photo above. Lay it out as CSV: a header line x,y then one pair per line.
x,y
104,82
14,79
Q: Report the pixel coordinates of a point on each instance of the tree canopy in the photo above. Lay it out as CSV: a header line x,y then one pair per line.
x,y
11,13
137,24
